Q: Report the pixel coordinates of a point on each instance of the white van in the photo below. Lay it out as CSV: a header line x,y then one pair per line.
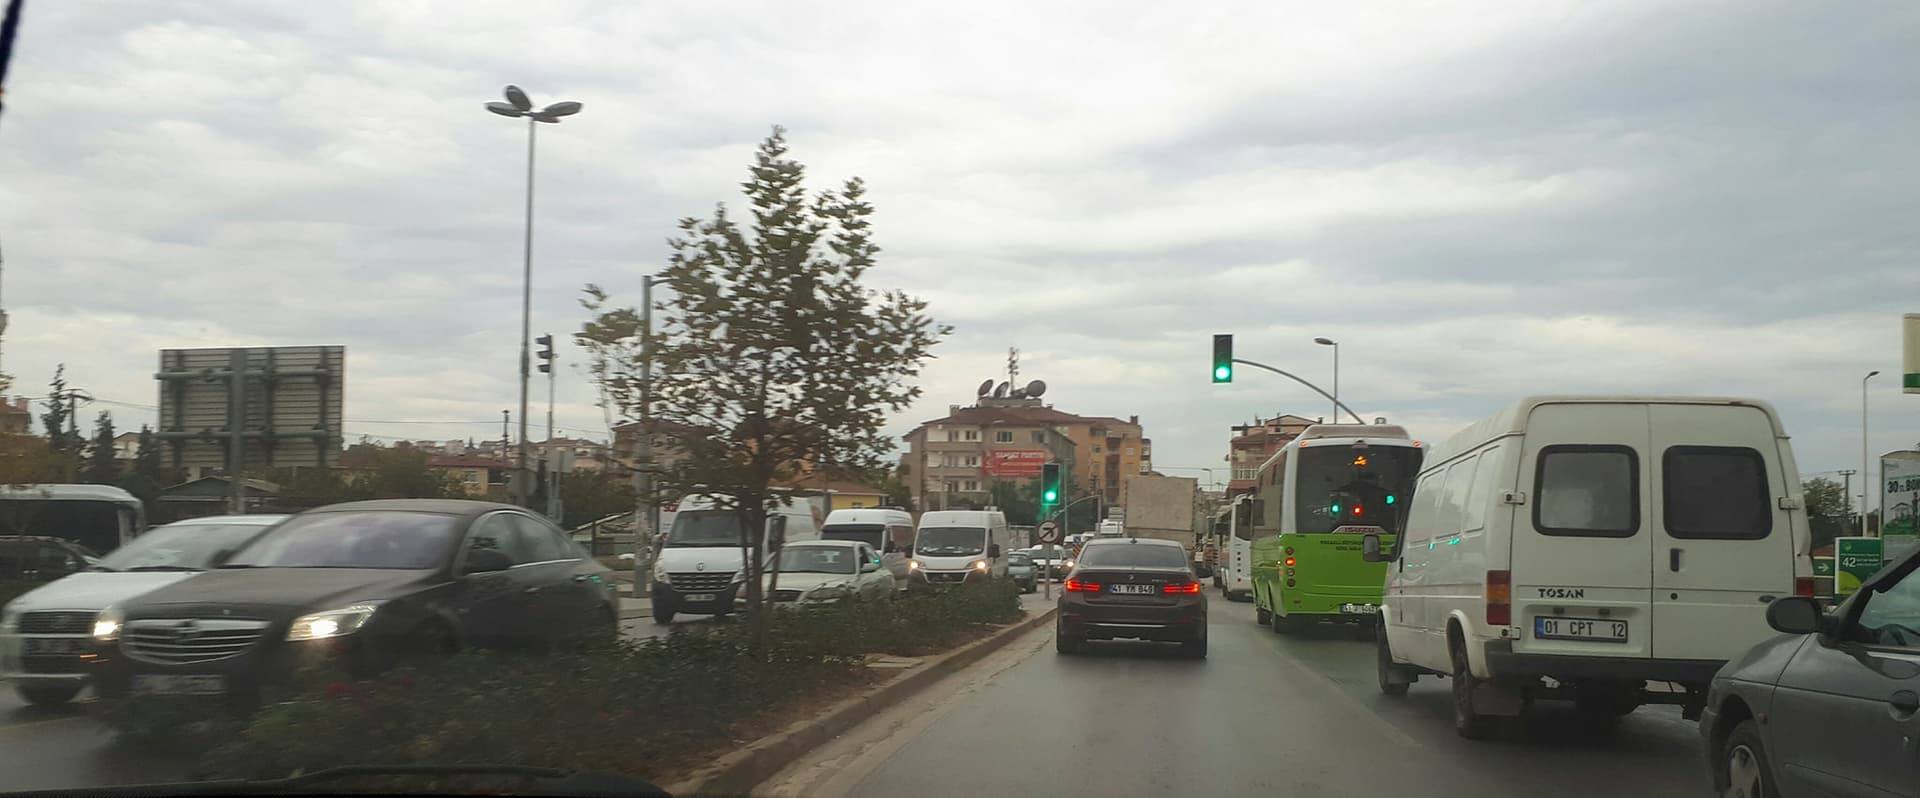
x,y
884,529
952,546
1599,542
698,568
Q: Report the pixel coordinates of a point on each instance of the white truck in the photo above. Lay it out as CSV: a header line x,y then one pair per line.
x,y
1162,508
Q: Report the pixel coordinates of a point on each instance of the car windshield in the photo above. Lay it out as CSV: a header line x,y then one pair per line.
x,y
1128,555
185,547
817,559
870,534
950,541
371,539
704,529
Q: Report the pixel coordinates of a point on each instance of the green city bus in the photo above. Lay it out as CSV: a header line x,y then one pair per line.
x,y
1313,501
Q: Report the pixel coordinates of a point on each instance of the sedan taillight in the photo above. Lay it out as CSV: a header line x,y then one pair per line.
x,y
1180,587
1082,586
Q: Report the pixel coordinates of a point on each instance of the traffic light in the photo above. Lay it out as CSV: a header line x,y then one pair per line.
x,y
1223,358
1050,484
546,353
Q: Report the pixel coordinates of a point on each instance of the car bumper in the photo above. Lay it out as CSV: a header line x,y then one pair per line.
x,y
45,670
1173,623
925,578
246,677
723,600
1503,662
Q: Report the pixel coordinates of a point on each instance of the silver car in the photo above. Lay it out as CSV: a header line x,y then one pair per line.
x,y
46,633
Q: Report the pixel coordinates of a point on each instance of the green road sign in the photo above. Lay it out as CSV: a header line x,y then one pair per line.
x,y
1823,566
1856,560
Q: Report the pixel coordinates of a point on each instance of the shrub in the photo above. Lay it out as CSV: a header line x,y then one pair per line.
x,y
635,707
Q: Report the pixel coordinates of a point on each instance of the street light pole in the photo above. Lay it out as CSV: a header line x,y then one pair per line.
x,y
1336,374
518,106
649,510
1865,484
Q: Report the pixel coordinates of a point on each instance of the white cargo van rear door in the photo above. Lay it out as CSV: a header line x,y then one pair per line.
x,y
1723,547
1582,551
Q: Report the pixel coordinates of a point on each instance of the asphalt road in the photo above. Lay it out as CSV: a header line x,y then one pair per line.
x,y
1265,714
63,747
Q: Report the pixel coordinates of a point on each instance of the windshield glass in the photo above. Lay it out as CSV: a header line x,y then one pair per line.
x,y
817,559
1133,555
951,541
1344,486
180,546
870,534
373,539
704,529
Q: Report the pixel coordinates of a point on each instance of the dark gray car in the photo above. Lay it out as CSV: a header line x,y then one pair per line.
x,y
1830,708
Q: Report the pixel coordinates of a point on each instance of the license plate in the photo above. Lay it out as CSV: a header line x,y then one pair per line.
x,y
1591,629
179,684
1360,609
1142,590
55,645
701,596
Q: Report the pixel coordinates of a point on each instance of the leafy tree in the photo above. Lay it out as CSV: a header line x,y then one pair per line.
x,y
1020,501
146,477
773,351
59,415
1828,515
586,496
28,460
101,467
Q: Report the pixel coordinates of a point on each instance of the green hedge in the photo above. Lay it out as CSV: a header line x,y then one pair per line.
x,y
643,707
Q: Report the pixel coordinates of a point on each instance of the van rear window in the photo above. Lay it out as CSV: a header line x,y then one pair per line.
x,y
1587,491
1715,493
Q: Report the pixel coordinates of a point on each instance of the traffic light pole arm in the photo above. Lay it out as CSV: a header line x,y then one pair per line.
x,y
1069,505
1316,389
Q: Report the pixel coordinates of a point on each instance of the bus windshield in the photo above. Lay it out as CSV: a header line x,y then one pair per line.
x,y
1344,486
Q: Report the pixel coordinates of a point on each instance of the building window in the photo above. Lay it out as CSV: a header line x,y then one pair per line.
x,y
1245,473
1143,468
1003,436
953,487
1129,451
1096,450
973,460
972,435
1039,436
972,486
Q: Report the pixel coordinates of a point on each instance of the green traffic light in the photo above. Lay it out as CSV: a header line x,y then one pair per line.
x,y
1335,509
1051,497
1222,373
1389,498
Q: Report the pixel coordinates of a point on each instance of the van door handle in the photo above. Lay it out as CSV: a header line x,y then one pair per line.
x,y
1904,702
1673,560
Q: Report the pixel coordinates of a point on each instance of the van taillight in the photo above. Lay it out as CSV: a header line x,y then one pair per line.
x,y
1803,586
1499,598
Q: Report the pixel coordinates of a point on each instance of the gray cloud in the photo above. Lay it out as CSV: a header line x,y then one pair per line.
x,y
1479,200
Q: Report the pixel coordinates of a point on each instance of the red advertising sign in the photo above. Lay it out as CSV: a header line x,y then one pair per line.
x,y
1015,462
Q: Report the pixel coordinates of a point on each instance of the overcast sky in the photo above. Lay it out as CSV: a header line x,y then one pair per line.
x,y
1480,201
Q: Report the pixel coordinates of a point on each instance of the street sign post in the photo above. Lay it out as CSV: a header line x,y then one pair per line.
x,y
1855,559
1049,537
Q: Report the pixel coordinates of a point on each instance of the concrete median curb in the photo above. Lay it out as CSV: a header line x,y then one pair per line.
x,y
737,773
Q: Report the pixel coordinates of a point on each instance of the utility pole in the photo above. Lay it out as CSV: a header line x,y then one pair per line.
x,y
547,361
646,510
506,418
1846,474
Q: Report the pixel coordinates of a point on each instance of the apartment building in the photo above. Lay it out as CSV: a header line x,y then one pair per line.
x,y
952,462
1252,444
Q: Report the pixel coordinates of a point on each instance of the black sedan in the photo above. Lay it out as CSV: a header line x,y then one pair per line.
x,y
1833,707
364,585
1132,588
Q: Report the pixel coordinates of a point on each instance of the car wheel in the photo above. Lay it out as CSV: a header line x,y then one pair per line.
x,y
1467,721
1744,757
1385,669
45,696
1065,644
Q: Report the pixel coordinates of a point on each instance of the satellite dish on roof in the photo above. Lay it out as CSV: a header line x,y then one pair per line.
x,y
1018,393
1000,391
985,388
1036,388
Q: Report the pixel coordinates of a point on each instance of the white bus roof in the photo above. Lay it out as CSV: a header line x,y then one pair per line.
x,y
68,493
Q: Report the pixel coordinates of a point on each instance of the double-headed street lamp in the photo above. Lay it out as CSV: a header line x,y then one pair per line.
x,y
518,106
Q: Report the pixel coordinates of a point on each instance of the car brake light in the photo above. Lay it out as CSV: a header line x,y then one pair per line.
x,y
1499,598
1803,586
1082,586
1180,587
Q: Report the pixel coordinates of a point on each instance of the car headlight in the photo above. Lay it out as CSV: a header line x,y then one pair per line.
x,y
979,565
107,625
332,623
913,565
1068,564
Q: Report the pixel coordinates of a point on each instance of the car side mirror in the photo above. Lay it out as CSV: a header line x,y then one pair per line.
x,y
481,561
1794,615
1370,548
869,567
993,551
